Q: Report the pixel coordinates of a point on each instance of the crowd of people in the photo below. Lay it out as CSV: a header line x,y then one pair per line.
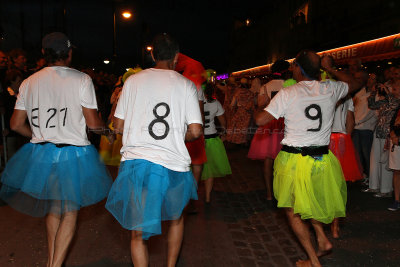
x,y
368,116
313,127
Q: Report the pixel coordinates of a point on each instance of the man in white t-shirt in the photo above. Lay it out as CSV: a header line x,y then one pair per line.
x,y
365,121
308,180
58,172
157,112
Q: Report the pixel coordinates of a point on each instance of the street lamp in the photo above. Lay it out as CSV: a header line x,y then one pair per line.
x,y
149,48
125,15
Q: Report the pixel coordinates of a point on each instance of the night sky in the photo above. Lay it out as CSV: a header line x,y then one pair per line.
x,y
202,28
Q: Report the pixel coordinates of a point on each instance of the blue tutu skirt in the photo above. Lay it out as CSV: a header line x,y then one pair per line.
x,y
43,178
145,193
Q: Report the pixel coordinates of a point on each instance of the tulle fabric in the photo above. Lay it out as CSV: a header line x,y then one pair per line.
x,y
342,147
197,151
314,188
145,194
217,164
40,179
266,142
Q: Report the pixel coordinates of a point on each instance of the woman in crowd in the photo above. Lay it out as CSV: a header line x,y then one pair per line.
x,y
242,106
217,164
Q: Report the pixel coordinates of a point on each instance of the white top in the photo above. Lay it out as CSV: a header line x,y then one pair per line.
x,y
157,106
339,120
271,88
308,108
365,118
211,110
53,98
200,95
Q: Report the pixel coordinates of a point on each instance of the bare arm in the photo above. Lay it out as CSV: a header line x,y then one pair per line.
x,y
95,124
18,123
118,125
194,131
353,84
222,120
92,119
201,105
263,117
349,122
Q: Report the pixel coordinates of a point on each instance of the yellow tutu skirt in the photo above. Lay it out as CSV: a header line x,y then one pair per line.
x,y
110,153
314,188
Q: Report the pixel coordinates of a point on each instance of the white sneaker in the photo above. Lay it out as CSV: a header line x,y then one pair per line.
x,y
383,195
370,190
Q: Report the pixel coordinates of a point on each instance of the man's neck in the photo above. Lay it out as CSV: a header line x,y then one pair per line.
x,y
165,65
60,63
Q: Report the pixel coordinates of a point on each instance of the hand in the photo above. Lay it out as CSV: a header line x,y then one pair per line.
x,y
387,144
223,137
395,140
326,63
111,138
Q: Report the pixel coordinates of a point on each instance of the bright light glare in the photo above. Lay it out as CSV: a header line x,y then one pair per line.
x,y
149,48
127,14
106,61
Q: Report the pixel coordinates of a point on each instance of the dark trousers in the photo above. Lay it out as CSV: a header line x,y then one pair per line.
x,y
362,140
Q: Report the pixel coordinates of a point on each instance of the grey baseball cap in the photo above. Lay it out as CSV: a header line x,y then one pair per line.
x,y
57,41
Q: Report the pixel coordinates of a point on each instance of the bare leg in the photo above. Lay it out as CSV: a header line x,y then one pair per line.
x,y
396,185
52,224
197,170
324,246
303,234
268,165
335,228
175,237
209,185
63,237
139,251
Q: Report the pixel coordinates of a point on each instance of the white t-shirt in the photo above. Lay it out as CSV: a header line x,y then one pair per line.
x,y
200,95
365,118
339,120
157,106
53,99
308,108
271,88
211,110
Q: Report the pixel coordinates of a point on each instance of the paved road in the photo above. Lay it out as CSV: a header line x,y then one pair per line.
x,y
239,228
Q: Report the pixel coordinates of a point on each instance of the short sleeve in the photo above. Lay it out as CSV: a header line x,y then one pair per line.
x,y
220,109
193,114
200,95
120,109
88,95
20,103
351,105
278,104
340,89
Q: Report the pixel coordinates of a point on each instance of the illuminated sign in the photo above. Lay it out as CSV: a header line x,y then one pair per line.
x,y
222,76
377,49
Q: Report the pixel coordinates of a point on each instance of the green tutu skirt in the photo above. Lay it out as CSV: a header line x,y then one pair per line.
x,y
314,188
217,164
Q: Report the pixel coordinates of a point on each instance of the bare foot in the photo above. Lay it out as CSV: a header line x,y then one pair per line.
x,y
306,263
335,230
324,249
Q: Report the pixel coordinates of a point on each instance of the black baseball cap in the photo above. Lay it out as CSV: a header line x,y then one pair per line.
x,y
57,41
